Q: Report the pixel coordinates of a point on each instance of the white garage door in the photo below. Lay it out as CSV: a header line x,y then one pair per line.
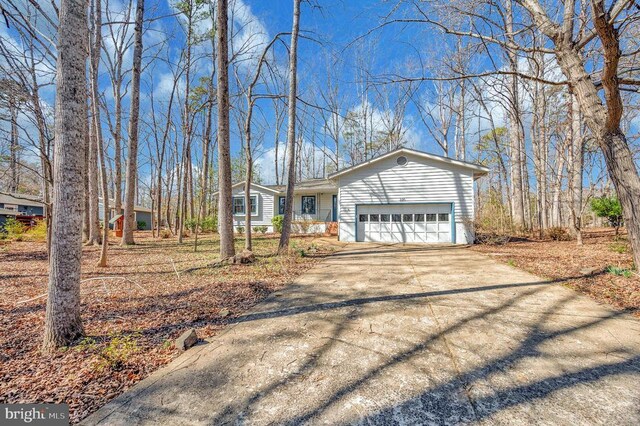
x,y
404,223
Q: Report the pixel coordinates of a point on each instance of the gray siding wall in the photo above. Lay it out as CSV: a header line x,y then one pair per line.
x,y
145,217
28,210
419,181
266,202
140,216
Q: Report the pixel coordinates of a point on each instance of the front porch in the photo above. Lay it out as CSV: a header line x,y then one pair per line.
x,y
315,207
314,212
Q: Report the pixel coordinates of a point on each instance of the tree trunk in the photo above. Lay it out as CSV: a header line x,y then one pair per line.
x,y
62,319
186,130
117,151
247,200
86,216
461,124
161,154
132,160
515,132
576,164
249,171
556,211
97,126
45,159
537,160
206,146
624,175
92,176
603,118
13,166
291,130
225,213
542,152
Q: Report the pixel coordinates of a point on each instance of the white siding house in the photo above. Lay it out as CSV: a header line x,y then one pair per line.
x,y
404,196
265,198
419,184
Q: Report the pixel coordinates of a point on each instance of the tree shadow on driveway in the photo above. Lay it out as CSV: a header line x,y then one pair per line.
x,y
478,393
338,347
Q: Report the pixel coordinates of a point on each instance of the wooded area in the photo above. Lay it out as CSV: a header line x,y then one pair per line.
x,y
544,93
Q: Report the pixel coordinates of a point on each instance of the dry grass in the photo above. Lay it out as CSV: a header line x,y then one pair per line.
x,y
131,310
566,261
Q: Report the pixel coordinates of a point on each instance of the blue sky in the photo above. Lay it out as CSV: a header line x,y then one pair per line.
x,y
336,27
330,30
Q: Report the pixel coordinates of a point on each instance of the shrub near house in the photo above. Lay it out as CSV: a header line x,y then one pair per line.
x,y
277,223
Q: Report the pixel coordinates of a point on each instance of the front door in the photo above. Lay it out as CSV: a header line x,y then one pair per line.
x,y
334,210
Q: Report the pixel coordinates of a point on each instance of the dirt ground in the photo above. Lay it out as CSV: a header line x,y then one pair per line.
x,y
600,268
132,311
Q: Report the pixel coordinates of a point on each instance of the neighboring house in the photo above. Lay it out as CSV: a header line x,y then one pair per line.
x,y
28,209
402,196
142,214
25,208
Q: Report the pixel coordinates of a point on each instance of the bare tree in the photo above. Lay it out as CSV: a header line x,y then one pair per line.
x,y
189,9
516,134
121,42
438,116
62,319
225,213
602,117
291,130
251,99
12,95
576,168
93,178
97,141
539,140
132,160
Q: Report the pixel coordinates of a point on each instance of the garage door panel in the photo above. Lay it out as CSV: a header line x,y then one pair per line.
x,y
405,223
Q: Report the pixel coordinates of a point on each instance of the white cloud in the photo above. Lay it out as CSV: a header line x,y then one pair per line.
x,y
312,164
266,164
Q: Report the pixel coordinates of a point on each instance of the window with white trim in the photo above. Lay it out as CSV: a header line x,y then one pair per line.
x,y
238,205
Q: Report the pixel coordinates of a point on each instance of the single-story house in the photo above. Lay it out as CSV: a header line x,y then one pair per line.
x,y
142,214
25,208
404,196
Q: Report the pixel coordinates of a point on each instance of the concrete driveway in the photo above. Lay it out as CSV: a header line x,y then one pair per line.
x,y
380,334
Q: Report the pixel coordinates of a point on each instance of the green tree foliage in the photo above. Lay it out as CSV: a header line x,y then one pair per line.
x,y
609,208
492,146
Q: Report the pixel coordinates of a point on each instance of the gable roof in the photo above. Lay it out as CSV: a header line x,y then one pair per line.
x,y
136,208
309,185
115,219
21,199
265,188
315,185
478,170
